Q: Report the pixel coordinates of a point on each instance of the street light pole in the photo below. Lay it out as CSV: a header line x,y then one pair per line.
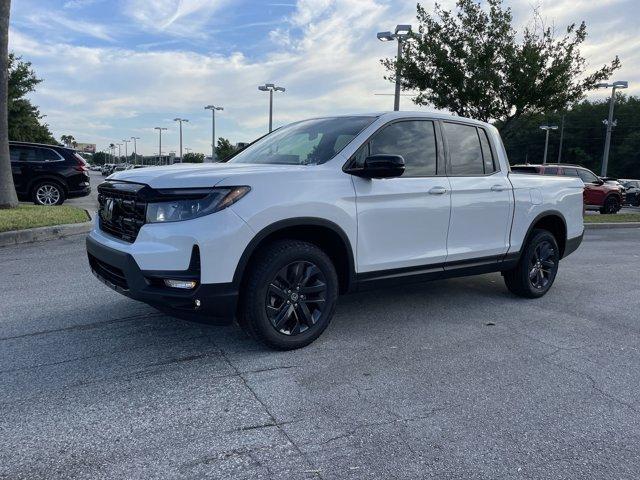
x,y
561,139
621,84
135,150
270,87
400,34
546,141
119,152
126,151
213,109
180,120
160,129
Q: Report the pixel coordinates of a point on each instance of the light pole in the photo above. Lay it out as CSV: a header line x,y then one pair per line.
x,y
135,149
621,84
160,129
180,120
400,34
546,141
213,109
270,87
119,152
126,151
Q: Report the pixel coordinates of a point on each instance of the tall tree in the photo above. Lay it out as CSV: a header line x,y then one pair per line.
x,y
25,120
68,140
469,61
224,149
8,198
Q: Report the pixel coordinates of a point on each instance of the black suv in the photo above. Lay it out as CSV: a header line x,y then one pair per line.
x,y
48,174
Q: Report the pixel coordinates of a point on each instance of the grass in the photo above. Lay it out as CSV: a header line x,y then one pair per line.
x,y
617,218
30,216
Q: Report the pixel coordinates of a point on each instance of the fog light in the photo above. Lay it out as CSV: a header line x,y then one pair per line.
x,y
185,284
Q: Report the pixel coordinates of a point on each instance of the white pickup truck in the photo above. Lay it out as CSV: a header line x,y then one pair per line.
x,y
328,206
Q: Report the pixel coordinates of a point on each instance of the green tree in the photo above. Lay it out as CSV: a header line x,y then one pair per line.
x,y
469,61
68,140
8,197
224,149
24,117
193,157
100,158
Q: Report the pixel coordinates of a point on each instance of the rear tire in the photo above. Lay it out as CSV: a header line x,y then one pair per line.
x,y
47,193
289,296
611,206
537,267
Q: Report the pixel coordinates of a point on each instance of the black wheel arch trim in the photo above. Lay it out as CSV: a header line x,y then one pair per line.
x,y
255,242
540,216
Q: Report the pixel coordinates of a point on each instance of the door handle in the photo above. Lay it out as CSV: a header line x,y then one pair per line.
x,y
498,188
437,191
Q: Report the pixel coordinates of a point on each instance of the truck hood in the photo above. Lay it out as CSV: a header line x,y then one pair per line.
x,y
197,175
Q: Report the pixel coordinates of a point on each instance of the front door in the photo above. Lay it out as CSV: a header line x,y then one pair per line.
x,y
481,196
403,222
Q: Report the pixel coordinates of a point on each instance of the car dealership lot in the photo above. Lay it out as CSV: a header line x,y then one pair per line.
x,y
450,379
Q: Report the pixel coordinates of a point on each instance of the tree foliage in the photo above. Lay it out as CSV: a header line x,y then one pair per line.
x,y
68,140
193,157
225,149
584,134
472,62
25,120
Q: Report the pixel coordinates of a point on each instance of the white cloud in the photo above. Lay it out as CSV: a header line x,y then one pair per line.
x,y
53,21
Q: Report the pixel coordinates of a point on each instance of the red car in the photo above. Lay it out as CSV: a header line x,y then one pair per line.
x,y
598,195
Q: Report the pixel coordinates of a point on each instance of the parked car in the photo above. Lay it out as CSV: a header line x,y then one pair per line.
x,y
606,197
327,206
632,190
48,174
107,169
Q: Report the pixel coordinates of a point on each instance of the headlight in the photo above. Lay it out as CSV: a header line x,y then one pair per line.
x,y
186,204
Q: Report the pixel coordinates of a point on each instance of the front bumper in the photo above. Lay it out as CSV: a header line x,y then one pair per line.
x,y
119,271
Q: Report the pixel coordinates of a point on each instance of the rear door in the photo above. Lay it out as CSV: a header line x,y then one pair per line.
x,y
23,161
403,222
481,195
593,191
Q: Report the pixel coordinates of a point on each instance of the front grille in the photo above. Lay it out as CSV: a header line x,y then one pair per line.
x,y
121,211
108,272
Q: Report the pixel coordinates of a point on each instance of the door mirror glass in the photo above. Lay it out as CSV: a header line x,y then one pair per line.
x,y
380,166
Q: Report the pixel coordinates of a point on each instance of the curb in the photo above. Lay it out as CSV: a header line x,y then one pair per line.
x,y
40,234
604,226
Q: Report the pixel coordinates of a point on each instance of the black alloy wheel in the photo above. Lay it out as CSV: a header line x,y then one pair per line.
x,y
296,298
611,206
542,265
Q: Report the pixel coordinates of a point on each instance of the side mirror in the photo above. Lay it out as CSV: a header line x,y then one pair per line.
x,y
380,166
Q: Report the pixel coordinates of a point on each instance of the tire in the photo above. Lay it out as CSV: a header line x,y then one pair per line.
x,y
611,205
540,251
48,192
281,273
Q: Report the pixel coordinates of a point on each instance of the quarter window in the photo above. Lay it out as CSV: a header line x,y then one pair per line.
x,y
465,150
47,155
487,155
587,177
571,172
414,140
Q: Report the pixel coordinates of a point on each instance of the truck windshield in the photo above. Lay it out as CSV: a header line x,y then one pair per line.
x,y
308,142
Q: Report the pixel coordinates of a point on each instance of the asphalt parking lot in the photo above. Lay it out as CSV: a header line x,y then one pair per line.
x,y
454,379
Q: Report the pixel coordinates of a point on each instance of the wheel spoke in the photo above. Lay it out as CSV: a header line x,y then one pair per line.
x,y
282,317
320,287
305,314
310,272
277,291
532,273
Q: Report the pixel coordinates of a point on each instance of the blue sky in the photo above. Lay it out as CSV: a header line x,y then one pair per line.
x,y
116,68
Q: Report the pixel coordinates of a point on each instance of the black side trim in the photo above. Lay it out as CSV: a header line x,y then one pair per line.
x,y
294,222
572,245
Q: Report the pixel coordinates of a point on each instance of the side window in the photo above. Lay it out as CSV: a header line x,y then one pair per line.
x,y
487,155
415,140
587,177
464,149
570,172
47,155
23,154
551,171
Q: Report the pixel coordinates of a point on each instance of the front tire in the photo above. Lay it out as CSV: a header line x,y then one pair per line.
x,y
290,295
537,267
48,193
611,206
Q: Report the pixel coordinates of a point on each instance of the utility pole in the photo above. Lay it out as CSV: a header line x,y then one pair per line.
x,y
546,141
119,152
270,87
400,34
180,120
213,109
610,123
561,139
135,150
160,129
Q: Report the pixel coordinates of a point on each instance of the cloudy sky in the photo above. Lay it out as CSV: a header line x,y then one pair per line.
x,y
117,68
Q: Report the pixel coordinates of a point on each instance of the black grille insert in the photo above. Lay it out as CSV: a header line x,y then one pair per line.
x,y
108,272
121,209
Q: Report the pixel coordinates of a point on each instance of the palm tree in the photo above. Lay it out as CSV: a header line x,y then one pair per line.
x,y
68,140
8,198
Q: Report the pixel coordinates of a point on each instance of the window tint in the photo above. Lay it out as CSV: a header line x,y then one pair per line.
x,y
551,171
571,172
489,161
464,147
587,177
415,140
47,155
23,154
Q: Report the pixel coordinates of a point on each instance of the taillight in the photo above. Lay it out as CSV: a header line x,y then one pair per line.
x,y
82,165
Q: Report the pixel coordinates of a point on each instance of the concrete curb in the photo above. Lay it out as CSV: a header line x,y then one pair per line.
x,y
40,234
604,226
